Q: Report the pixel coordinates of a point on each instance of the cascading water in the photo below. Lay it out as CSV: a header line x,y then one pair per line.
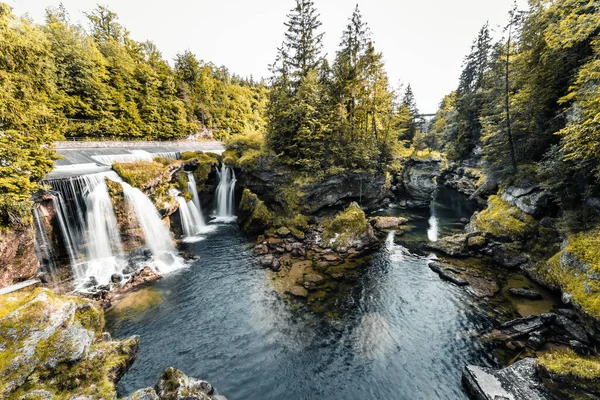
x,y
225,192
433,230
157,235
87,220
193,189
43,247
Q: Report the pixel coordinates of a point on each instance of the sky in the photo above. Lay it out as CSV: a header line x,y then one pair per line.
x,y
423,42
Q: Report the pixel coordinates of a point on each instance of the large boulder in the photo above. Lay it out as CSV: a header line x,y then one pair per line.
x,y
54,344
518,381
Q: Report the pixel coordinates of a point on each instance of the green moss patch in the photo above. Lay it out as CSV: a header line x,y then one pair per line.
x,y
500,219
140,174
255,216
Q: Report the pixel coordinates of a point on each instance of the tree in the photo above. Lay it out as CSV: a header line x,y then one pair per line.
x,y
28,124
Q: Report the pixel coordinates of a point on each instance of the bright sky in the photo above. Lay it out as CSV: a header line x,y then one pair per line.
x,y
424,42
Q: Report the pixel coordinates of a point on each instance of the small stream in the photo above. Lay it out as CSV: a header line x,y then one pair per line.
x,y
401,333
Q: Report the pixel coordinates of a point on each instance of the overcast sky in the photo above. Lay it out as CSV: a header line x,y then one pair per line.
x,y
423,41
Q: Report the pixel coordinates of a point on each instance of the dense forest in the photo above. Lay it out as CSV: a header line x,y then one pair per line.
x,y
60,79
529,105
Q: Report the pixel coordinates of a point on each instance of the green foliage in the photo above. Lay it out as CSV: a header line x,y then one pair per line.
x,y
28,123
258,217
323,118
572,367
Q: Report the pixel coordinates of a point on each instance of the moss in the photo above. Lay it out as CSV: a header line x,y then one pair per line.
x,y
572,367
140,174
344,227
574,276
257,217
500,219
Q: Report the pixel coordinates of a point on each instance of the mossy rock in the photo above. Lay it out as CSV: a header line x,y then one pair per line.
x,y
255,217
53,343
347,229
576,270
502,220
567,373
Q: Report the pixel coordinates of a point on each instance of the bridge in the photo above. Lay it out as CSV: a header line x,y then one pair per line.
x,y
85,157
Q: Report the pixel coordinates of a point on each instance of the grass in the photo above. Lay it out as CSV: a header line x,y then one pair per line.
x,y
569,365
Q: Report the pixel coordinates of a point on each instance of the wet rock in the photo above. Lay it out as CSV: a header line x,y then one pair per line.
x,y
535,341
476,242
143,394
526,293
517,328
261,249
314,278
419,181
143,276
451,245
572,330
446,274
92,281
581,348
387,223
174,385
116,278
518,381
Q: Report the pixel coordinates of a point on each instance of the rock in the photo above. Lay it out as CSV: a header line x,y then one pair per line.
x,y
528,197
145,275
314,278
419,181
261,249
446,274
518,381
572,330
143,394
580,348
566,298
451,245
116,278
56,336
44,277
283,232
174,385
476,242
535,341
387,223
92,281
298,291
517,328
526,293
18,261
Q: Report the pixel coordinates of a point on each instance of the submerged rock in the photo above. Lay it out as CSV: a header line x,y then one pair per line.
x,y
446,274
526,293
518,381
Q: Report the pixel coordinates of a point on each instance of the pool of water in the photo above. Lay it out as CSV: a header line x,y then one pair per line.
x,y
401,333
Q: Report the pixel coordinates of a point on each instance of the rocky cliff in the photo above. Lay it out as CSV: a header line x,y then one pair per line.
x,y
18,261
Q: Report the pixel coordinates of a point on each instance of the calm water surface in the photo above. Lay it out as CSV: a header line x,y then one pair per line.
x,y
401,334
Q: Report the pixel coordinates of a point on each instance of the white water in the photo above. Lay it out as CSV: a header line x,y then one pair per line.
x,y
87,220
433,230
157,235
225,192
193,189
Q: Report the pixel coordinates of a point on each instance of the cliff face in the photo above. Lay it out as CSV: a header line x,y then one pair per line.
x,y
18,261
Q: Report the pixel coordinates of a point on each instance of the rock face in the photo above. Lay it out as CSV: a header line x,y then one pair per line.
x,y
528,197
386,224
516,382
269,180
419,180
18,261
53,345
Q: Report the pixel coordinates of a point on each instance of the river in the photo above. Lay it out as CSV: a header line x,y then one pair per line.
x,y
401,333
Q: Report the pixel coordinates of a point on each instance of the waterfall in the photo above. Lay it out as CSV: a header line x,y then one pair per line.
x,y
87,220
433,230
191,220
193,189
225,192
132,155
157,235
